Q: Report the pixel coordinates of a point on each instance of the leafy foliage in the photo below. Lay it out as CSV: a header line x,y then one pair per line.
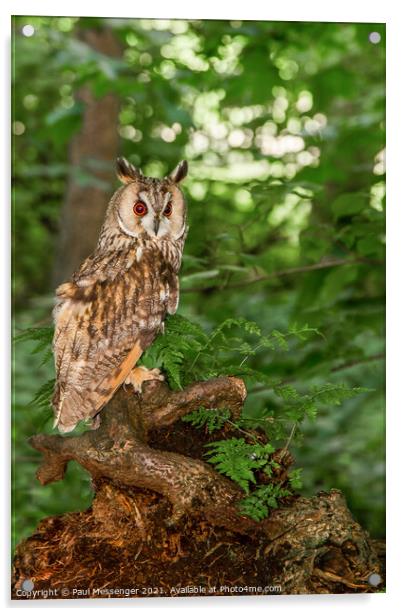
x,y
238,460
43,336
258,504
43,397
186,353
172,351
212,419
294,477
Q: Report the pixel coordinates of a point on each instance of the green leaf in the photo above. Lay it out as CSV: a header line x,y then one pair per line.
x,y
263,498
280,339
335,394
294,478
287,392
249,326
212,419
349,204
43,336
369,246
238,459
43,397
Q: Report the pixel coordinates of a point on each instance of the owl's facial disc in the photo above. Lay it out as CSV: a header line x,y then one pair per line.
x,y
155,211
156,222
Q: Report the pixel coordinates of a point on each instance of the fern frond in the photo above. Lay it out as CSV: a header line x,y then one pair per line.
x,y
176,323
249,326
258,504
42,335
333,393
238,459
294,478
212,419
286,392
43,396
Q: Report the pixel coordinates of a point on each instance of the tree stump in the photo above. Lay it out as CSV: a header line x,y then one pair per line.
x,y
165,523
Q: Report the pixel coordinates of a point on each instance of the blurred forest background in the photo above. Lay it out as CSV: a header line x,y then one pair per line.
x,y
283,128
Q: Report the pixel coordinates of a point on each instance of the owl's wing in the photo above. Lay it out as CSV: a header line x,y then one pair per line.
x,y
95,269
173,294
102,328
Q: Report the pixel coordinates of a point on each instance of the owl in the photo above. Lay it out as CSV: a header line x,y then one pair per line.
x,y
115,304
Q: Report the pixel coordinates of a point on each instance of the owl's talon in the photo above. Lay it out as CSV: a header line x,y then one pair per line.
x,y
140,374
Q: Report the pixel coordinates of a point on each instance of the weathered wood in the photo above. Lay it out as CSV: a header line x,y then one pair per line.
x,y
118,449
154,494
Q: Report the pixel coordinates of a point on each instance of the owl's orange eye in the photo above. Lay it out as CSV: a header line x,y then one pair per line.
x,y
168,210
140,209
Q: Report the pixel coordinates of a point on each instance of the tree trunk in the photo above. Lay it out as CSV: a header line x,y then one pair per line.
x,y
91,170
163,522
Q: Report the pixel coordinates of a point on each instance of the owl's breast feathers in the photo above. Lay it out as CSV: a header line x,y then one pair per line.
x,y
105,317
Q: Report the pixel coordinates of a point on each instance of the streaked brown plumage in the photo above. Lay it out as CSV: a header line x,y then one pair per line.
x,y
115,304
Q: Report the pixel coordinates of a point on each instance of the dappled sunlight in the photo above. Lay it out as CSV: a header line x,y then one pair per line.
x,y
185,49
379,163
377,196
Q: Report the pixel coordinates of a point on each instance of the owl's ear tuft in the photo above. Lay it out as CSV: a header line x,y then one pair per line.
x,y
179,173
126,172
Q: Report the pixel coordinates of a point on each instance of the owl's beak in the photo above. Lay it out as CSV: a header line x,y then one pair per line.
x,y
156,225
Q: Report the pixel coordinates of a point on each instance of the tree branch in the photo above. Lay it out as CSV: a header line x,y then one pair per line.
x,y
220,392
118,450
357,362
288,272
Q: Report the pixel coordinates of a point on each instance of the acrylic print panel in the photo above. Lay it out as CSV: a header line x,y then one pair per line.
x,y
217,349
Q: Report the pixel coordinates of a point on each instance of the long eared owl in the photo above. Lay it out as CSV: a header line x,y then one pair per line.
x,y
115,304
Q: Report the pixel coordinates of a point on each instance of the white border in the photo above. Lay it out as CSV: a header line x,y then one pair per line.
x,y
307,10
292,10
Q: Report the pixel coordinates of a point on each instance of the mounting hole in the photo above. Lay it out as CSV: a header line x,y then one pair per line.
x,y
28,30
27,585
374,37
374,579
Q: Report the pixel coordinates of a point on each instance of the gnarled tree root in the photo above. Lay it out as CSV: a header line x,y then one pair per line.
x,y
141,465
119,450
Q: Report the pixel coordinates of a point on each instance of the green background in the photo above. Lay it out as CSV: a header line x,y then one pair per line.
x,y
283,128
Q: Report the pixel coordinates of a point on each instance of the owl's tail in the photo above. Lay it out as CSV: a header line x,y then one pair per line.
x,y
72,406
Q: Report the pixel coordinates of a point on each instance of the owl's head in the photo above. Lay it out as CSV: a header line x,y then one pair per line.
x,y
149,207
